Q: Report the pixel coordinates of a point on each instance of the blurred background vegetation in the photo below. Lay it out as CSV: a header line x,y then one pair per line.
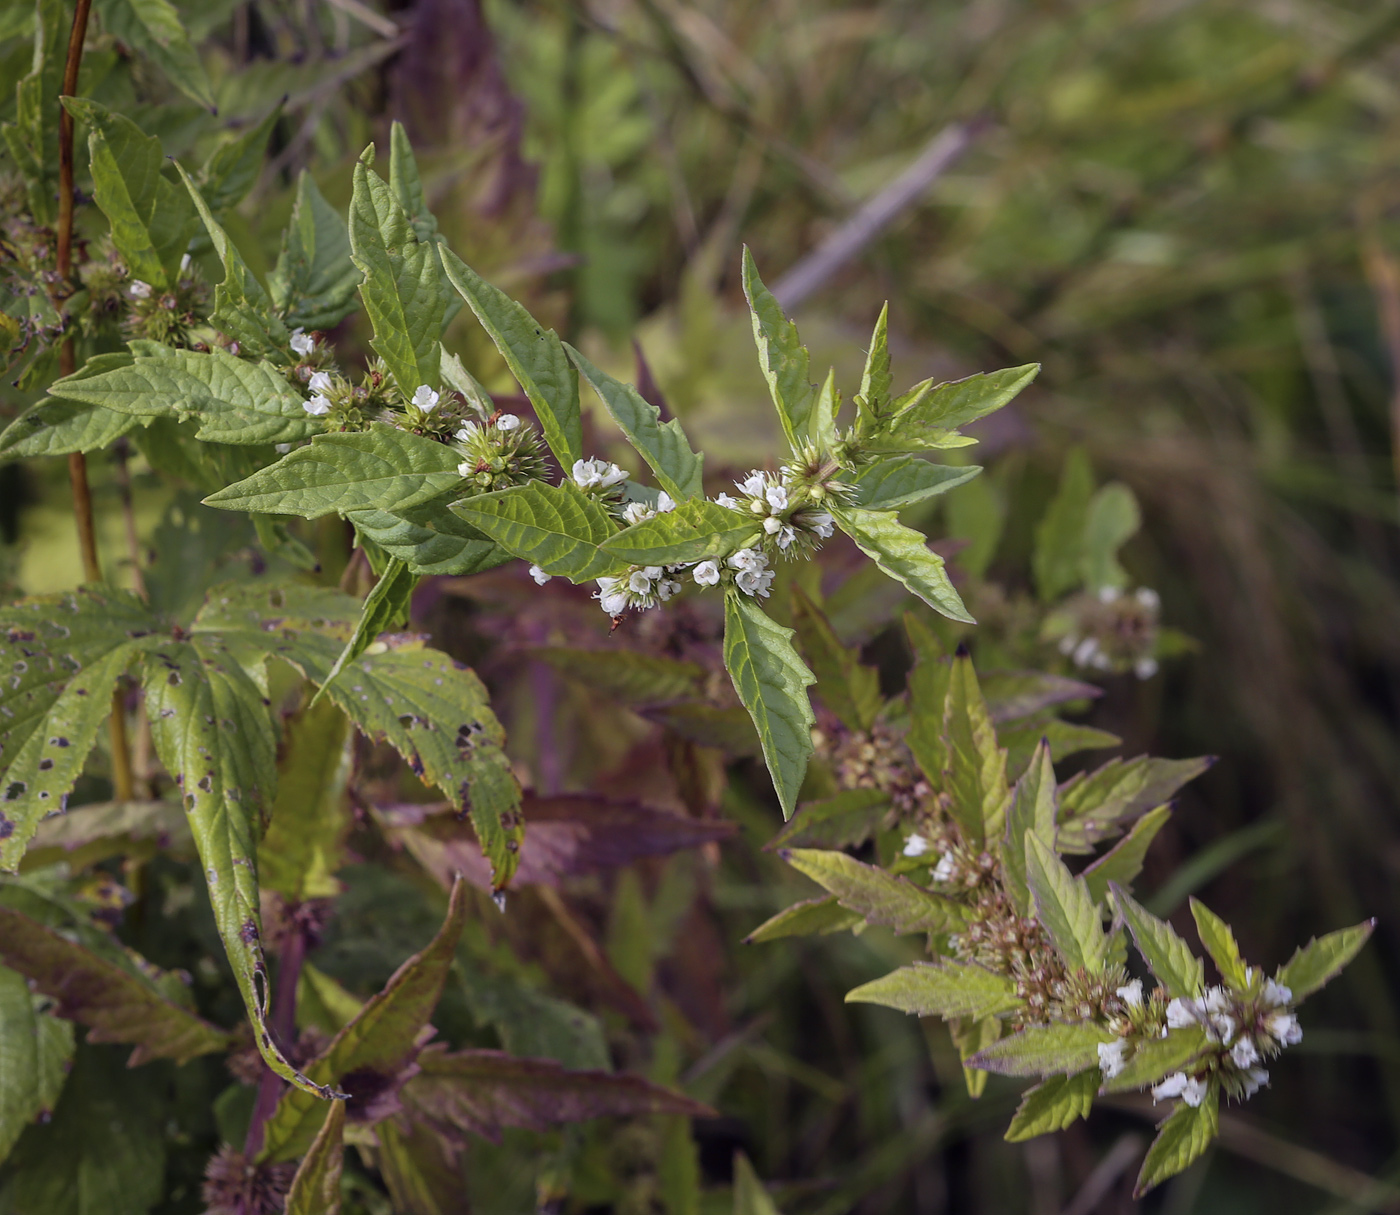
x,y
1189,212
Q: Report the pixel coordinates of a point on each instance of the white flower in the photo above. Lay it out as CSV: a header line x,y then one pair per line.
x,y
302,343
466,469
823,524
666,588
1254,1079
755,584
320,382
777,497
1276,994
185,264
753,483
1223,1027
1112,1057
1148,598
318,406
1193,1092
1182,1014
1108,594
1145,668
915,845
945,869
639,581
637,512
467,433
786,537
1067,643
664,502
140,290
1172,1086
610,599
1084,653
1283,1028
1244,1053
754,577
1217,999
508,421
772,525
729,502
748,559
539,575
425,398
597,474
1131,994
707,573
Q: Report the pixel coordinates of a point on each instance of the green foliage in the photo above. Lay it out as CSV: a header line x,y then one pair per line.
x,y
1054,1104
35,1049
944,988
1181,1139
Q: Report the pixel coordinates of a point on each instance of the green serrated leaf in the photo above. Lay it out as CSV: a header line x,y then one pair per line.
x,y
928,699
695,531
847,687
875,380
879,896
56,427
943,988
1066,738
314,282
1033,812
534,355
153,27
1053,1104
380,467
152,220
1042,1050
34,1052
402,290
1220,943
1176,967
971,1036
662,445
822,424
1059,536
1322,959
771,680
937,411
557,527
386,607
429,538
1153,1058
810,917
1183,1137
1065,908
903,481
32,139
235,163
903,554
1097,805
407,185
316,1186
781,355
844,821
974,771
1124,861
242,309
379,1041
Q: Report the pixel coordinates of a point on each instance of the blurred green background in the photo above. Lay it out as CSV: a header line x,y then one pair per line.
x,y
1189,212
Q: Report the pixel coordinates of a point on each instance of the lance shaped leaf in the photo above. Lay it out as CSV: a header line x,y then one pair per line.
x,y
32,139
211,729
849,818
1014,695
153,27
534,355
482,1092
386,607
380,467
1220,943
872,402
974,771
313,284
1322,959
95,985
1153,1058
771,680
62,655
557,527
928,699
1033,810
152,219
375,1046
628,677
402,290
695,531
904,555
662,445
1178,970
810,917
1064,1047
934,412
943,988
849,689
879,896
1182,1138
301,850
1123,862
902,481
1065,738
1053,1104
233,166
236,401
825,410
429,538
1096,805
436,713
316,1186
1065,908
242,308
781,355
35,1049
56,427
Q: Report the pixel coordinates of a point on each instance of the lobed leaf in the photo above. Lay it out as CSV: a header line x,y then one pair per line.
x,y
1064,1047
1183,1137
902,554
1176,967
942,988
695,531
772,682
781,355
1065,908
557,527
881,897
1322,959
1054,1104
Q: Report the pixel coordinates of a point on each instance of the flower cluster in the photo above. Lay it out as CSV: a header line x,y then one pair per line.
x,y
752,575
170,315
500,453
788,516
640,588
1113,631
598,476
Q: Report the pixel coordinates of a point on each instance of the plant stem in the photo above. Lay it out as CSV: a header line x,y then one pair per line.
x,y
281,1024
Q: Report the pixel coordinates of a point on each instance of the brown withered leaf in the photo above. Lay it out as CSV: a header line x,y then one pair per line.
x,y
564,835
482,1092
115,1002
